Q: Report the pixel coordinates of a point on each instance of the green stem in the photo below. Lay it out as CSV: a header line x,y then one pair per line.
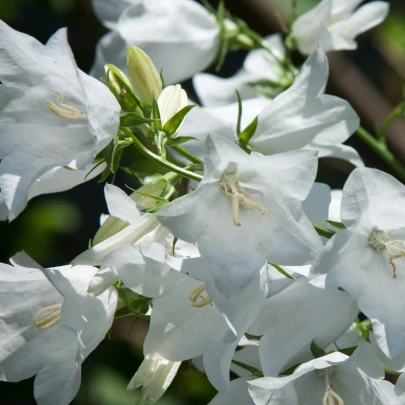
x,y
144,150
188,155
322,231
397,112
381,149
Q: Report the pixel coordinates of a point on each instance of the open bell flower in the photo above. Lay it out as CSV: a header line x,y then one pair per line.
x,y
302,116
214,91
49,325
181,37
247,209
334,379
335,24
52,116
367,259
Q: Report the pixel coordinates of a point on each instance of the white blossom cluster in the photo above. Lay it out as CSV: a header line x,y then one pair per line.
x,y
241,274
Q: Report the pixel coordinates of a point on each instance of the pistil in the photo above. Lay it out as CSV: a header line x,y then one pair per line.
x,y
48,316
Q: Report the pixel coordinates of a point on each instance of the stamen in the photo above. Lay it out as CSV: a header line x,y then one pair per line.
x,y
64,111
51,318
380,241
197,300
231,189
330,395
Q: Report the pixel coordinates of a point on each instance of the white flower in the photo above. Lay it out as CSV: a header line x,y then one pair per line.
x,y
259,65
181,37
334,24
155,377
246,210
136,227
328,380
302,116
367,259
48,326
51,115
323,316
240,394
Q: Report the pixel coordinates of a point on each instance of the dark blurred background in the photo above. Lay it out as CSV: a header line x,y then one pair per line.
x,y
55,228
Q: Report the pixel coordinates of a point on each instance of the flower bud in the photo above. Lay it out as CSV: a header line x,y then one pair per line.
x,y
143,73
155,377
102,281
171,101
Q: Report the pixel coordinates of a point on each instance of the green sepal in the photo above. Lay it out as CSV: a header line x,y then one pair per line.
x,y
112,153
348,351
179,140
240,110
132,119
174,122
160,140
155,115
282,271
105,175
337,225
97,163
174,246
157,207
249,131
316,350
152,197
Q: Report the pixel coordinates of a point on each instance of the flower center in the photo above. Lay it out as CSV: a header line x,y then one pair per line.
x,y
64,111
48,316
230,187
196,297
380,241
330,397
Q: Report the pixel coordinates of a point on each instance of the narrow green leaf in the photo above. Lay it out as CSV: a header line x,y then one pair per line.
x,y
283,272
179,140
239,121
322,231
173,124
131,119
156,124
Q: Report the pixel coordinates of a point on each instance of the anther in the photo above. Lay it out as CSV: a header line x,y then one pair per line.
x,y
197,300
330,397
48,316
64,111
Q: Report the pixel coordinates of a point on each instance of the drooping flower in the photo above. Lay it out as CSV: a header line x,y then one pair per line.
x,y
246,210
335,24
53,118
181,37
367,258
49,325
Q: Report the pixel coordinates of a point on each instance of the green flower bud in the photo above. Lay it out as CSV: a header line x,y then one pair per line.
x,y
143,73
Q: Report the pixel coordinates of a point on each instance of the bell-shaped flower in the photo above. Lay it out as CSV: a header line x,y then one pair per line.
x,y
331,379
247,209
49,325
367,259
181,37
171,101
287,334
52,116
302,116
134,227
259,65
155,377
335,24
239,394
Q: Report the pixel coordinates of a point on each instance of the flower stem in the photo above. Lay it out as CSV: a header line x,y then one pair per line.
x,y
397,112
381,149
177,169
188,155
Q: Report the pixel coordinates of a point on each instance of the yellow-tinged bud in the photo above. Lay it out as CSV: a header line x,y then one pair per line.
x,y
143,73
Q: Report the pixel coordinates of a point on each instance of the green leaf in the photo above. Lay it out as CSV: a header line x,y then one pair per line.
x,y
136,304
322,231
249,131
240,109
105,175
337,225
160,140
348,351
97,164
173,124
152,197
158,206
255,371
132,119
316,350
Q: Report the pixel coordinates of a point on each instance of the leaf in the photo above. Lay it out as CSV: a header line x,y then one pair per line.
x,y
157,123
337,225
249,131
240,109
131,119
180,139
173,124
316,350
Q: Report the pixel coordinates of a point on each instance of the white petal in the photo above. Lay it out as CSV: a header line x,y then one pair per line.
x,y
120,205
108,12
